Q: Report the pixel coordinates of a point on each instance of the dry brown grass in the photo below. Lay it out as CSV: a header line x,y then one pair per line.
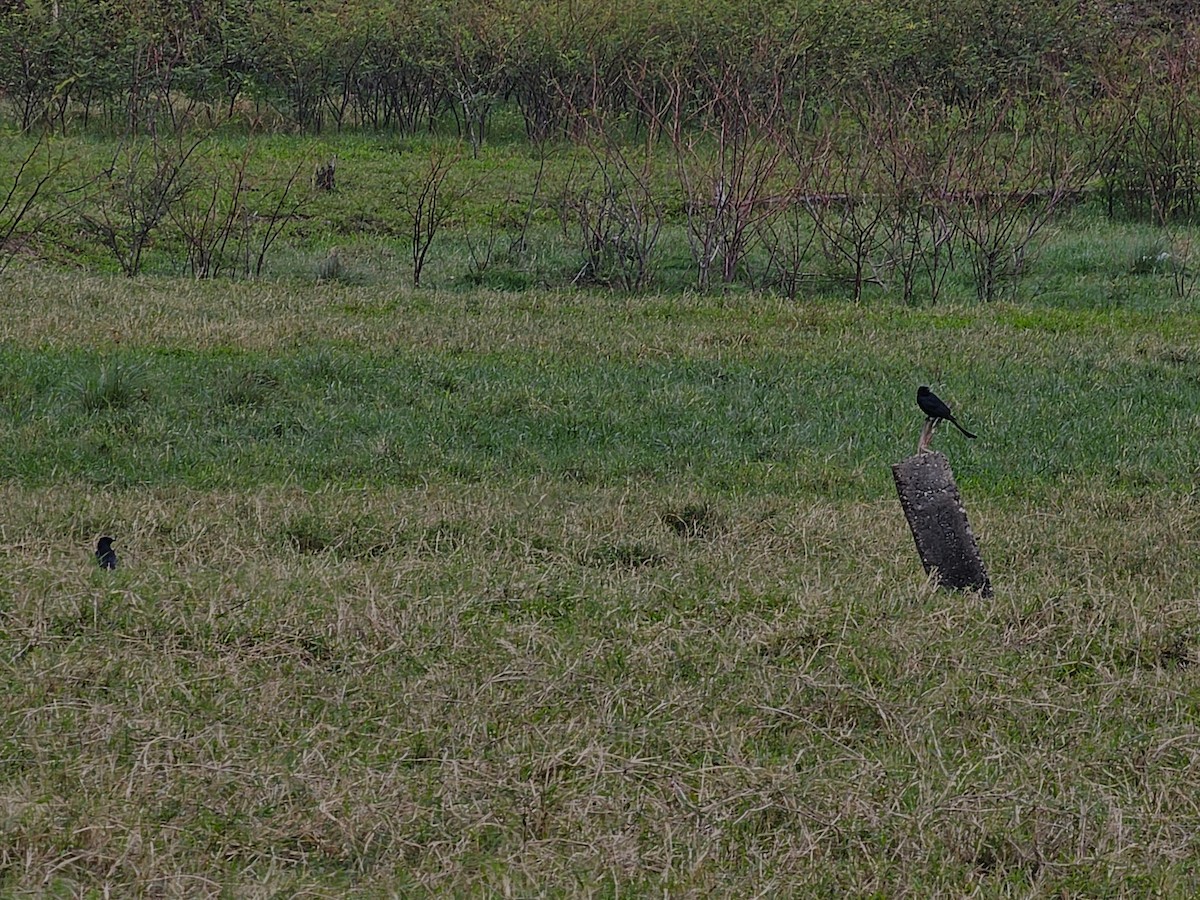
x,y
545,689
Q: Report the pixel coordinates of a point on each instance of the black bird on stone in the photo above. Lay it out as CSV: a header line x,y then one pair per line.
x,y
105,554
933,407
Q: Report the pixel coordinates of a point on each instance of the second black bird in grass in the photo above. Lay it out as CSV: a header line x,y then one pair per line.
x,y
105,554
933,407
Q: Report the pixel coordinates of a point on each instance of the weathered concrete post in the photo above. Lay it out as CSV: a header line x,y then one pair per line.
x,y
939,524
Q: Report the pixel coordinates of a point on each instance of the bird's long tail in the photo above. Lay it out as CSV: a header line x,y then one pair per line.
x,y
960,428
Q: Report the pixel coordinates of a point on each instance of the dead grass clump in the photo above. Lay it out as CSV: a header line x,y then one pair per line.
x,y
693,520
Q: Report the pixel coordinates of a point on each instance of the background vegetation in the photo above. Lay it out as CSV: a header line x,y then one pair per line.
x,y
875,145
493,404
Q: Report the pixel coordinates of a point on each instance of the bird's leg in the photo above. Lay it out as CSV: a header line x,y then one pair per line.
x,y
926,435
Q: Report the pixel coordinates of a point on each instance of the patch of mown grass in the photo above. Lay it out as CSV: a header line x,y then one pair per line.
x,y
760,398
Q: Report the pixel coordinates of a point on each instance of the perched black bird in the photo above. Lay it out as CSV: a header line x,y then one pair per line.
x,y
931,404
105,554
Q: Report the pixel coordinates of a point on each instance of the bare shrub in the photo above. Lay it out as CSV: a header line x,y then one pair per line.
x,y
910,144
1012,169
426,203
506,224
22,215
727,166
1152,171
846,207
228,222
787,234
613,212
135,194
788,239
1183,263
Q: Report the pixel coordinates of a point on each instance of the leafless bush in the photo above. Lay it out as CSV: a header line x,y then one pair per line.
x,y
911,144
228,223
22,217
476,80
898,192
506,224
788,238
426,203
847,208
1152,171
611,215
212,222
787,233
475,107
1011,170
1184,270
726,175
613,211
135,194
727,169
267,218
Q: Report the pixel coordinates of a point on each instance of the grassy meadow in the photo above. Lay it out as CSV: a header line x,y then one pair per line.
x,y
537,588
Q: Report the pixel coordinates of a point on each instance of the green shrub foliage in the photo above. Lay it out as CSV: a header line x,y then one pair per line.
x,y
400,64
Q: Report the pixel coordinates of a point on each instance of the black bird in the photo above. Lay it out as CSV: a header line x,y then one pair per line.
x,y
105,554
931,404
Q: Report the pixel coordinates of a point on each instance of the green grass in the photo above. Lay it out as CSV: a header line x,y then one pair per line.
x,y
347,384
566,593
